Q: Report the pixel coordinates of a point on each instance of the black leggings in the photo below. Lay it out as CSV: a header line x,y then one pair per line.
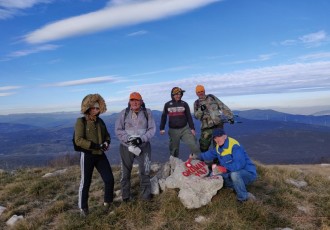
x,y
87,163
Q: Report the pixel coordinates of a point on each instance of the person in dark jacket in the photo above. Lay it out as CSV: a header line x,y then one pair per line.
x,y
92,135
235,166
134,127
181,126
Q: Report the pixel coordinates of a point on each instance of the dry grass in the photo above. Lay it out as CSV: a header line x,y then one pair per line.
x,y
321,169
51,203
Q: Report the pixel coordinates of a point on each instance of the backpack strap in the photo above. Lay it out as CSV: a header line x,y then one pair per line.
x,y
84,122
144,110
207,96
78,148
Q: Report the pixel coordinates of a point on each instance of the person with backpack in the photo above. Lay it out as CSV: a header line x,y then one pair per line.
x,y
134,128
181,125
210,111
93,139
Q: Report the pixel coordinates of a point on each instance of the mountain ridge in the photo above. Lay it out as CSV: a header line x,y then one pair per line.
x,y
266,140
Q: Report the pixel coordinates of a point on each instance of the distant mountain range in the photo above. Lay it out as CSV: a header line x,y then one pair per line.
x,y
268,136
325,112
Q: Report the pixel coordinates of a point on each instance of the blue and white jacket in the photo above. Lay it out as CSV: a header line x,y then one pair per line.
x,y
231,155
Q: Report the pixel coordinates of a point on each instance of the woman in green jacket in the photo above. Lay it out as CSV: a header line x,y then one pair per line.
x,y
92,136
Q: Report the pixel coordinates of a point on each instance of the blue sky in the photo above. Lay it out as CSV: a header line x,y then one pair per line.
x,y
251,54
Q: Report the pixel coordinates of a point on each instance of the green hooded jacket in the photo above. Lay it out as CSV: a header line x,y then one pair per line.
x,y
88,131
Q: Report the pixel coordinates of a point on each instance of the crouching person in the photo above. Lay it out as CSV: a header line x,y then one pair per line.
x,y
134,128
235,166
93,138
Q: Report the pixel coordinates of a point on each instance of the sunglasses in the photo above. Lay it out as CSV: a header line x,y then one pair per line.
x,y
200,92
95,108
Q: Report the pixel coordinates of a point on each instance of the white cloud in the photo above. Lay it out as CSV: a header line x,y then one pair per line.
x,y
122,2
269,80
173,69
4,14
137,33
20,4
22,53
117,15
289,42
309,40
314,56
314,37
261,57
6,94
10,8
8,88
86,81
4,88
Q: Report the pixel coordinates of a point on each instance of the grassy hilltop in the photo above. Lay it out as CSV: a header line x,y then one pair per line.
x,y
51,203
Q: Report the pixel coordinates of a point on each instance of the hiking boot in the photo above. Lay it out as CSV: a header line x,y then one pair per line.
x,y
84,212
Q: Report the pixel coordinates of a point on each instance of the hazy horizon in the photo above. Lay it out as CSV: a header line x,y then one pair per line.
x,y
293,111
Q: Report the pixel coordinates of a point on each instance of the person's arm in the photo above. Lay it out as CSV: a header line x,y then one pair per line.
x,y
225,109
151,130
163,118
208,155
120,128
106,139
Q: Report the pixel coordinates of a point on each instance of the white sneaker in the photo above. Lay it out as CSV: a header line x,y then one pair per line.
x,y
251,197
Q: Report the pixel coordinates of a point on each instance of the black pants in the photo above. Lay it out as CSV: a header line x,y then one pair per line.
x,y
87,163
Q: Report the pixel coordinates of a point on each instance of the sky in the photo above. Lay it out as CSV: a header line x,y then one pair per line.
x,y
253,54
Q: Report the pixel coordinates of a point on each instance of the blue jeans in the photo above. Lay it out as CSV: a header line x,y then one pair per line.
x,y
238,180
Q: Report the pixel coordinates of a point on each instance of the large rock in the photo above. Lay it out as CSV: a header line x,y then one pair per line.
x,y
196,189
56,173
2,209
13,220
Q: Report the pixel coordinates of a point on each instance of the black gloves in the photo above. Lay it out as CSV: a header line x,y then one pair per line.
x,y
95,146
203,107
137,141
231,121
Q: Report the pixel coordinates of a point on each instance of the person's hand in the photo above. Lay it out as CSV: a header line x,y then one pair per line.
x,y
203,107
162,132
193,132
105,146
222,169
137,141
231,121
95,146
